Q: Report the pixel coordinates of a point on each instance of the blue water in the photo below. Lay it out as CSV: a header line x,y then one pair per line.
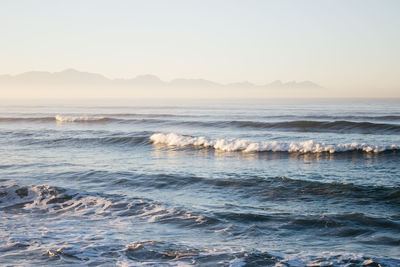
x,y
200,183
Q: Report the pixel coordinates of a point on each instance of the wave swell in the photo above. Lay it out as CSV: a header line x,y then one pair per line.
x,y
106,140
323,126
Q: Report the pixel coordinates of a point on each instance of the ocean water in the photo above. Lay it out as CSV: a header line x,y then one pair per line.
x,y
200,183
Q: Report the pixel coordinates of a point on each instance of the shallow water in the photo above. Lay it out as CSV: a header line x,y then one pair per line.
x,y
204,183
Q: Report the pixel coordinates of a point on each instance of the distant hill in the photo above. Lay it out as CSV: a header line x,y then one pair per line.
x,y
73,76
86,83
66,76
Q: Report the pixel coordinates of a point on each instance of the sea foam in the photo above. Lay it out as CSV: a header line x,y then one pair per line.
x,y
245,145
60,118
53,200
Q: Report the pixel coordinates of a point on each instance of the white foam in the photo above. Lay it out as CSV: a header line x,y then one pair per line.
x,y
79,204
44,197
156,212
245,145
60,118
331,259
9,195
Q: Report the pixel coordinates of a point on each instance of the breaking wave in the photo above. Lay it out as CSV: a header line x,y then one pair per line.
x,y
57,118
244,145
60,118
51,199
60,201
57,202
84,119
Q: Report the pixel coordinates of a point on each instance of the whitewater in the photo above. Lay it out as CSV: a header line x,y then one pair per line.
x,y
244,145
200,183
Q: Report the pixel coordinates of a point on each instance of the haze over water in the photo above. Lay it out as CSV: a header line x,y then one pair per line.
x,y
203,183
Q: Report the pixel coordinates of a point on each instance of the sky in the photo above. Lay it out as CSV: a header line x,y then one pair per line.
x,y
343,45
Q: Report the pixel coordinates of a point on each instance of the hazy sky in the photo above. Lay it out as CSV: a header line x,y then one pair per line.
x,y
338,44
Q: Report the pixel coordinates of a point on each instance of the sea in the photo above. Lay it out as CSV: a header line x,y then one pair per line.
x,y
228,182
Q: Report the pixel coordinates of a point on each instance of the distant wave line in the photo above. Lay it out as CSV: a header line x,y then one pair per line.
x,y
341,126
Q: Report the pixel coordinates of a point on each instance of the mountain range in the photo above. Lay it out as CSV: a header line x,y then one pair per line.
x,y
74,77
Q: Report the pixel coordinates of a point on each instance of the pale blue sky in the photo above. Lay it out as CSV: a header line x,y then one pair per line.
x,y
338,44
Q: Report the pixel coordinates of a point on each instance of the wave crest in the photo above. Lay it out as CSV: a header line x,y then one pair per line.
x,y
60,118
244,145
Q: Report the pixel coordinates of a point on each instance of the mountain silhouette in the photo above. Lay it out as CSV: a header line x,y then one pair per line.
x,y
72,76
